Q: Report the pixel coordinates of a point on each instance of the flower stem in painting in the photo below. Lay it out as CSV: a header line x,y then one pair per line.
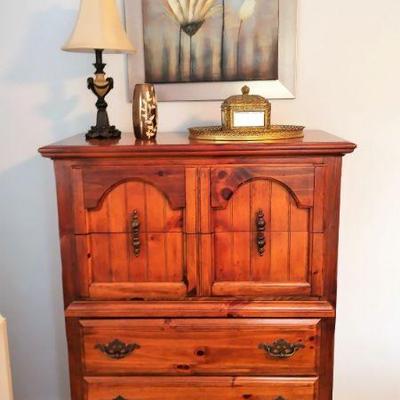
x,y
191,57
190,15
223,41
180,54
238,49
246,11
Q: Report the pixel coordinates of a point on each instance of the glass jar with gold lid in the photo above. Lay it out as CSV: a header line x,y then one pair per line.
x,y
246,117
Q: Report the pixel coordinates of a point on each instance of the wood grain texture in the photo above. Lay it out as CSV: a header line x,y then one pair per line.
x,y
204,308
199,388
207,346
260,289
178,145
137,291
298,180
331,223
116,211
74,338
169,180
109,268
285,265
66,213
199,296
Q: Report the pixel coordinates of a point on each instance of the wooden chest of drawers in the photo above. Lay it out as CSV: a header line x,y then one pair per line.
x,y
197,271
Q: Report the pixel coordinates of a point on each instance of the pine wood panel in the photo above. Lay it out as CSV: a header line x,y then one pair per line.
x,y
198,388
206,346
138,291
109,259
292,307
182,172
250,289
280,209
225,181
285,260
175,145
285,265
97,181
116,210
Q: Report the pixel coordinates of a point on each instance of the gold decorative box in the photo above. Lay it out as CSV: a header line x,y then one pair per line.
x,y
246,111
246,118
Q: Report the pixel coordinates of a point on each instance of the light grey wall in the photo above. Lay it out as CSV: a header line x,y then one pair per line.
x,y
348,83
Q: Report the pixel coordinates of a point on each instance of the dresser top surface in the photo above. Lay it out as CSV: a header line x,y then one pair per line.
x,y
179,144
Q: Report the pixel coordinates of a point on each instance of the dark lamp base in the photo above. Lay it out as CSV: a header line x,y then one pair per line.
x,y
98,133
101,86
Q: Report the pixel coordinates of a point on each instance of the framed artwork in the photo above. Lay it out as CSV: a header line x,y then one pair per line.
x,y
208,49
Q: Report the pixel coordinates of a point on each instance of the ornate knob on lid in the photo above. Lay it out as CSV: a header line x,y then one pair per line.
x,y
245,90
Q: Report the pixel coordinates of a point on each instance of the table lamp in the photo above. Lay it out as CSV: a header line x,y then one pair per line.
x,y
99,29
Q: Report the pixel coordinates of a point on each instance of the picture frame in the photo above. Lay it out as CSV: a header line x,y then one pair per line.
x,y
281,88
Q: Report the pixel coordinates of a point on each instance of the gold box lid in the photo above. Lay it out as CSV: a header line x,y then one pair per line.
x,y
245,99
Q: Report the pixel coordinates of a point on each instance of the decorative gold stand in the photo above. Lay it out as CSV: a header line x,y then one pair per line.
x,y
247,118
275,132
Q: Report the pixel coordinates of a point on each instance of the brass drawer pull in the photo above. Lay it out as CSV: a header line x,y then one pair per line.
x,y
136,233
123,398
117,349
281,348
260,225
249,396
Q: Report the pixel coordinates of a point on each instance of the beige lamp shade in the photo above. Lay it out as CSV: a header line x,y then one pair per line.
x,y
99,27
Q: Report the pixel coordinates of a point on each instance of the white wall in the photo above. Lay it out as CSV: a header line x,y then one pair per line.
x,y
348,84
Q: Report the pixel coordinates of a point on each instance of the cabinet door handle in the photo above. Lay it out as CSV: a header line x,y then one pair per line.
x,y
260,225
117,349
136,233
281,348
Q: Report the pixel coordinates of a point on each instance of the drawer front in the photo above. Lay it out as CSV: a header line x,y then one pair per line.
x,y
110,199
261,229
130,232
196,388
143,266
206,346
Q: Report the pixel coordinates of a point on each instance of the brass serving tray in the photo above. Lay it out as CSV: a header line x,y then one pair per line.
x,y
218,133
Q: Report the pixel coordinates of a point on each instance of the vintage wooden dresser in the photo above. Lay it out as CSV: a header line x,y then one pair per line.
x,y
196,271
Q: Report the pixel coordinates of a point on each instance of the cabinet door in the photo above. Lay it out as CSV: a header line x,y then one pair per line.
x,y
258,230
130,232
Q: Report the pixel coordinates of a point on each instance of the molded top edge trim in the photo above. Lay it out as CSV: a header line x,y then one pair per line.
x,y
179,145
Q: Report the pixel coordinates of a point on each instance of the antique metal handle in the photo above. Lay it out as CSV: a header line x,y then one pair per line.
x,y
123,398
249,396
117,349
260,225
136,233
281,348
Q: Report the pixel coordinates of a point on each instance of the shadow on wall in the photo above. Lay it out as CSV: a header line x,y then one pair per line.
x,y
41,61
30,273
30,281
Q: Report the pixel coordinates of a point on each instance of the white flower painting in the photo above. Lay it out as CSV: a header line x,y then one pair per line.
x,y
210,40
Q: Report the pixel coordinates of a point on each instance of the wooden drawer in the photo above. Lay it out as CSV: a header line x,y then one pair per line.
x,y
196,388
130,225
201,346
261,230
111,268
109,197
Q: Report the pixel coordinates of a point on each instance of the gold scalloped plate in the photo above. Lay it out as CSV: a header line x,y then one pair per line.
x,y
217,133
